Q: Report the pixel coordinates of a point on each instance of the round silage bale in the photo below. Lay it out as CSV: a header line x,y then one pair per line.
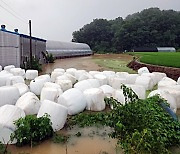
x,y
178,81
4,76
95,99
143,70
152,76
29,103
57,112
117,82
94,72
54,75
18,72
108,90
0,68
159,76
8,95
131,78
145,81
102,79
49,93
31,74
14,79
78,73
64,84
119,96
8,67
94,83
71,77
166,82
9,114
22,87
71,71
59,70
122,74
85,76
74,100
83,85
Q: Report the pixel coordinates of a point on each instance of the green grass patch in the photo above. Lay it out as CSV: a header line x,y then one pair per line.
x,y
169,59
115,65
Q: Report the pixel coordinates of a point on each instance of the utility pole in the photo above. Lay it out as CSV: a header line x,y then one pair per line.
x,y
30,44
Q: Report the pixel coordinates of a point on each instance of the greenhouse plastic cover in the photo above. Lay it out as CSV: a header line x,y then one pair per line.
x,y
29,102
8,95
74,100
95,99
57,112
8,114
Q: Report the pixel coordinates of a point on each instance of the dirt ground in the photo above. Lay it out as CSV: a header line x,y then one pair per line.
x,y
85,63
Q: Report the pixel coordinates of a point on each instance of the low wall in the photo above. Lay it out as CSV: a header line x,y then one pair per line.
x,y
171,72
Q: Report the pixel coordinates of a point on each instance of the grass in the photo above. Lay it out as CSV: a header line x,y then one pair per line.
x,y
114,64
169,59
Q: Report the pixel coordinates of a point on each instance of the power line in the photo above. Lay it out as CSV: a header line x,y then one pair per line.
x,y
13,11
13,14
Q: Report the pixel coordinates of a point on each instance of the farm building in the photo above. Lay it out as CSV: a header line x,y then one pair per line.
x,y
154,49
67,49
15,48
166,49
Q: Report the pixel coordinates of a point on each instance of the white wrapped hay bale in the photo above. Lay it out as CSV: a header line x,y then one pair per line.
x,y
49,93
22,87
59,70
8,95
57,112
37,84
94,83
64,84
29,103
0,68
85,76
9,67
52,85
4,76
95,99
131,78
119,96
143,70
117,82
159,76
54,75
74,100
122,74
14,79
83,85
145,81
138,89
166,82
107,90
152,76
109,73
102,79
71,71
94,72
78,73
178,81
9,114
18,72
71,77
31,74
167,96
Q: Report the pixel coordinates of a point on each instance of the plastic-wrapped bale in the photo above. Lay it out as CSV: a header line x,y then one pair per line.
x,y
95,99
22,87
165,82
49,94
122,74
178,81
8,95
159,76
74,100
29,103
18,72
117,82
31,74
108,90
131,78
102,79
78,73
0,68
94,72
119,96
71,77
14,79
71,71
83,85
4,77
167,96
37,84
138,89
85,76
152,76
64,84
9,67
57,112
145,81
143,70
59,70
54,75
94,83
109,73
9,114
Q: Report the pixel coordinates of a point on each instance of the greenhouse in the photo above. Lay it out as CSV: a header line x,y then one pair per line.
x,y
67,49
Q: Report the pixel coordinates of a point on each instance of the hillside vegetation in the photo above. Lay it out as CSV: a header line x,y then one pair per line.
x,y
149,28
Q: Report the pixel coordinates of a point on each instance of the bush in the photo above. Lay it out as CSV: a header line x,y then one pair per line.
x,y
31,130
178,50
50,58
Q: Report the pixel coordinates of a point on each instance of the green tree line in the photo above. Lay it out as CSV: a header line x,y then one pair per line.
x,y
149,28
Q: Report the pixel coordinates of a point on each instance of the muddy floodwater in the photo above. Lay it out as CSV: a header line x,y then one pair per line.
x,y
93,140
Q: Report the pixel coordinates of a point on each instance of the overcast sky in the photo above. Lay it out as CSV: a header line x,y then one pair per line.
x,y
57,19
